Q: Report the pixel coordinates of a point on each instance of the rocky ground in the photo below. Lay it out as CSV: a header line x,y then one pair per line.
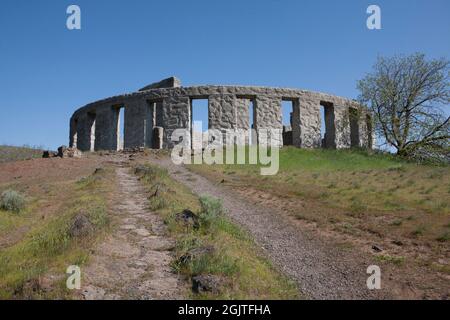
x,y
134,262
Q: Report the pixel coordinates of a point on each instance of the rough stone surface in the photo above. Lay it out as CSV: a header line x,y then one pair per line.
x,y
206,283
189,218
64,152
168,105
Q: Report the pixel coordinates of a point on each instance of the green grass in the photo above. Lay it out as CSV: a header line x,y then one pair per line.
x,y
396,260
354,186
323,160
49,247
235,258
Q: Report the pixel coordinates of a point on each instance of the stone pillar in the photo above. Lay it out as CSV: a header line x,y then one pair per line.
x,y
176,115
309,122
85,131
342,125
222,111
158,135
366,130
134,126
73,135
243,113
268,116
105,133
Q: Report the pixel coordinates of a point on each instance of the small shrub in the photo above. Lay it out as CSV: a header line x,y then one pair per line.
x,y
11,200
444,237
357,206
418,231
211,210
332,185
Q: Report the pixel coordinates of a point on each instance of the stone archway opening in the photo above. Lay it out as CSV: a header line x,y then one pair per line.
x,y
154,124
369,132
354,127
75,134
287,109
327,128
91,119
199,122
120,126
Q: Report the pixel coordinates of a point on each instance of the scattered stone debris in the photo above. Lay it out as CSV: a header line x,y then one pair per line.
x,y
206,283
81,226
49,154
64,152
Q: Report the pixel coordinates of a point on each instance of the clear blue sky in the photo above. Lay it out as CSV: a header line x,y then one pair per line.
x,y
48,71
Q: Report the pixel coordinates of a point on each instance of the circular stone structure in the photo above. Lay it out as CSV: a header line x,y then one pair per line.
x,y
153,113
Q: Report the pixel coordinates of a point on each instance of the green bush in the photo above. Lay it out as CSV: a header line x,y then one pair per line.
x,y
11,200
211,210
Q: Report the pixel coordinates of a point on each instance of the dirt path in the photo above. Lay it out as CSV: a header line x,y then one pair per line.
x,y
321,271
134,262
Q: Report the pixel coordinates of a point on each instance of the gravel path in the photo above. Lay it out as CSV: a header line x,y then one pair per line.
x,y
134,262
321,271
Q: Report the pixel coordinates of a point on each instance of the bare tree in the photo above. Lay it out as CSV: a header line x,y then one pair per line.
x,y
408,95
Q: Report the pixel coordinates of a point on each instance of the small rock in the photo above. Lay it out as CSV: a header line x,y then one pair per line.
x,y
48,154
397,242
206,283
189,218
376,248
99,170
64,152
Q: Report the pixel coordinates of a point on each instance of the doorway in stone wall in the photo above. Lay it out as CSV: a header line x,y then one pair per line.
x,y
199,122
287,109
91,118
369,124
120,126
75,134
154,124
253,136
327,127
354,127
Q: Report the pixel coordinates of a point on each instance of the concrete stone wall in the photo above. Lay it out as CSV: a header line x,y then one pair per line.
x,y
167,105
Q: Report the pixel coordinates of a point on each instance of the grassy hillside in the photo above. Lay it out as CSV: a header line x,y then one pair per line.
x,y
355,195
12,153
37,245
